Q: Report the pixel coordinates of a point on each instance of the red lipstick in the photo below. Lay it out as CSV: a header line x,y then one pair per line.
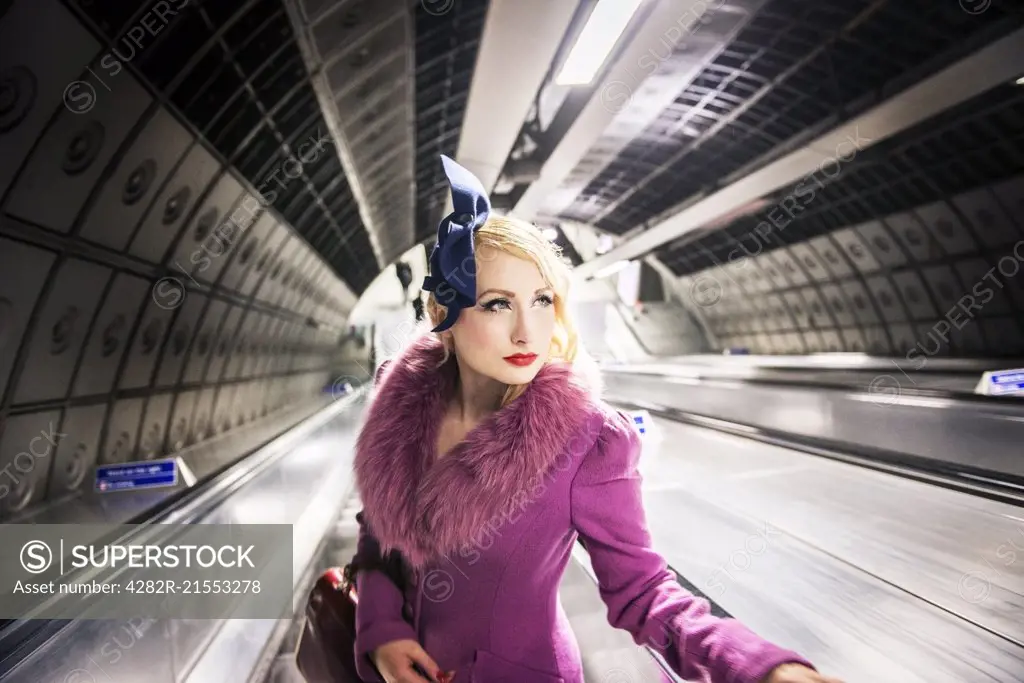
x,y
521,359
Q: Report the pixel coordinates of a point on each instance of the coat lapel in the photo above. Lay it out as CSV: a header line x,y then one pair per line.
x,y
427,512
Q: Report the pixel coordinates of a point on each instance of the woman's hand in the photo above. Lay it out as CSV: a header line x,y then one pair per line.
x,y
797,673
395,662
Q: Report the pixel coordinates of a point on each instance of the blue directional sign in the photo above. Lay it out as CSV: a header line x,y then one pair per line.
x,y
1006,382
144,474
643,422
641,425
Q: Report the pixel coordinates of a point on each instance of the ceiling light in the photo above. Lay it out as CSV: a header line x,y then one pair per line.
x,y
604,26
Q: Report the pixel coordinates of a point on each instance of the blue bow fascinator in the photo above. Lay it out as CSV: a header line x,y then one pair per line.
x,y
452,276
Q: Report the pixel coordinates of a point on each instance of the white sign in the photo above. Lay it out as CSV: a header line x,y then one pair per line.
x,y
1002,383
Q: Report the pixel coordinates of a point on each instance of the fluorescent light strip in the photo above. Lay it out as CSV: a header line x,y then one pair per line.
x,y
604,26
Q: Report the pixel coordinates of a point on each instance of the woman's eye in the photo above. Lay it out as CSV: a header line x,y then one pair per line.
x,y
495,304
504,304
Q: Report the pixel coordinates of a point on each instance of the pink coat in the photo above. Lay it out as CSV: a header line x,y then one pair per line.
x,y
486,534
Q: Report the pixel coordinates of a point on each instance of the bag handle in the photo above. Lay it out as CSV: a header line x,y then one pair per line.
x,y
342,580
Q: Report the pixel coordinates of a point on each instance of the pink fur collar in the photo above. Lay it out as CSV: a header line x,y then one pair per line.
x,y
428,512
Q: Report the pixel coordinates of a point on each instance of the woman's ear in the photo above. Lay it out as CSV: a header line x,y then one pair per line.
x,y
447,341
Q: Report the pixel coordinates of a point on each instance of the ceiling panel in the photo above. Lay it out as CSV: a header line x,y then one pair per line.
x,y
794,68
930,169
446,48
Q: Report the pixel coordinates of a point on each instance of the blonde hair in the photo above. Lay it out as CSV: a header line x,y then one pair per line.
x,y
524,240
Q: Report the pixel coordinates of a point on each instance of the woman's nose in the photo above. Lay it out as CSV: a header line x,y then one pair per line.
x,y
521,332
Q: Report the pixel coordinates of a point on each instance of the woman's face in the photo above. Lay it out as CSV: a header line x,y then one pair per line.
x,y
507,335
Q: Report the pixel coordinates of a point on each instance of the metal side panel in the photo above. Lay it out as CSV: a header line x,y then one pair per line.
x,y
871,576
299,488
609,655
968,434
308,491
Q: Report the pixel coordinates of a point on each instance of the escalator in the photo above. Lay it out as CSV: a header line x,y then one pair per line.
x,y
875,569
870,574
337,549
294,478
870,567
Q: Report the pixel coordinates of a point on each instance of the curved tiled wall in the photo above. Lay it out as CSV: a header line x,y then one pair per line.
x,y
912,284
148,302
912,248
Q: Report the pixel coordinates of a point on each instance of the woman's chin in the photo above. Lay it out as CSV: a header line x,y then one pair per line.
x,y
512,374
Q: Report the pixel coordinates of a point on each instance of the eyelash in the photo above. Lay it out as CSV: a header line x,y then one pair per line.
x,y
491,306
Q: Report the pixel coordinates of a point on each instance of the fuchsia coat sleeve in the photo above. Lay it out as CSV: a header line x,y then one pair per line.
x,y
379,613
641,593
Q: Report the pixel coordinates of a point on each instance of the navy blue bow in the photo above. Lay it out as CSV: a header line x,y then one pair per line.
x,y
452,276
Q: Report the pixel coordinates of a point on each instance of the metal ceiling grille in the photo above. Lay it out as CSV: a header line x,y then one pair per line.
x,y
360,54
977,144
795,68
235,72
446,51
672,64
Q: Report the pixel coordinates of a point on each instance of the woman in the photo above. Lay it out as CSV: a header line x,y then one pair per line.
x,y
486,454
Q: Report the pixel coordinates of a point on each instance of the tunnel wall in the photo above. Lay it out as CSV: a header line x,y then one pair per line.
x,y
913,284
148,301
912,248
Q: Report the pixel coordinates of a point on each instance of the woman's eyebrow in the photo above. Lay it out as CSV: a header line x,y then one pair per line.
x,y
509,294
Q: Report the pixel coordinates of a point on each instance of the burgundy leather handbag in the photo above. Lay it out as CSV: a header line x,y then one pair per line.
x,y
326,651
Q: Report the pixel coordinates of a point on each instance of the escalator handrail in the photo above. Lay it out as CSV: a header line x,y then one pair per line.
x,y
20,637
828,362
224,482
714,608
851,389
997,486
